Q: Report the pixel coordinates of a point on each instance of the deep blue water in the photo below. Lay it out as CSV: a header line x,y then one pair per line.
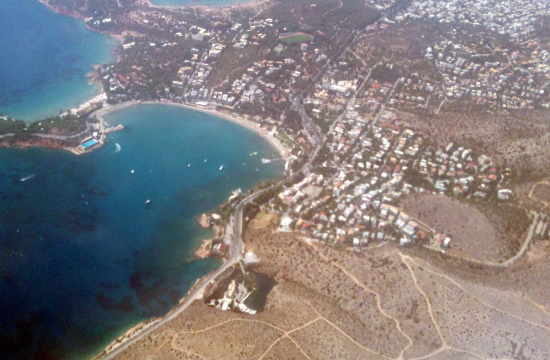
x,y
82,258
200,2
44,59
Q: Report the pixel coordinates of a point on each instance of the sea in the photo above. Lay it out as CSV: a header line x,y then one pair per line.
x,y
82,258
44,59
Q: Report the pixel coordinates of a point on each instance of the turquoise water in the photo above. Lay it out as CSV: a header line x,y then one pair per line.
x,y
44,59
200,2
82,258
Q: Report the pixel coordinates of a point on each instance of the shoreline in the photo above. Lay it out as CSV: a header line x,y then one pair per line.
x,y
203,250
58,10
251,125
205,243
144,325
190,297
283,151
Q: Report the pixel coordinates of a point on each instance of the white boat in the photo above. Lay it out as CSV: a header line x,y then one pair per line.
x,y
147,202
27,177
188,165
204,160
132,171
221,168
117,147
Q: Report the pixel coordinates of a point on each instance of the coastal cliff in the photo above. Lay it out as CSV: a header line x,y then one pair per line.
x,y
37,142
59,132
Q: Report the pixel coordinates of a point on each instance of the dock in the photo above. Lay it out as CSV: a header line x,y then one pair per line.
x,y
269,161
114,129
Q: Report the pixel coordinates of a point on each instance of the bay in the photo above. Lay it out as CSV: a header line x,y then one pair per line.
x,y
82,258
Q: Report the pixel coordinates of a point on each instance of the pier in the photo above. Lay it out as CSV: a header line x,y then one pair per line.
x,y
114,129
269,161
97,139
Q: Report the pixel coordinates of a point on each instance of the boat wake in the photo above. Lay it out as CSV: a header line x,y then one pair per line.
x,y
117,150
27,177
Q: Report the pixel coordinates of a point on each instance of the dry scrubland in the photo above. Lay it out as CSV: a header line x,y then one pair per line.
x,y
518,140
483,231
385,303
542,192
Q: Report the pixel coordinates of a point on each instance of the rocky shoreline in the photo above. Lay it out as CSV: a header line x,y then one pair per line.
x,y
204,250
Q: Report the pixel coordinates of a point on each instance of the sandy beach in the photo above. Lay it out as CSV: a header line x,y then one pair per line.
x,y
249,124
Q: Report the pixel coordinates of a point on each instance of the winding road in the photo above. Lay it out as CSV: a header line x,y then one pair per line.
x,y
235,255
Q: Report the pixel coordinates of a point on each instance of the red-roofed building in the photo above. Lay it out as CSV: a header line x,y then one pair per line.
x,y
390,126
123,79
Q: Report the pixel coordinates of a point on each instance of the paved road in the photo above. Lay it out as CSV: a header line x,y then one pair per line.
x,y
58,137
65,137
525,245
508,262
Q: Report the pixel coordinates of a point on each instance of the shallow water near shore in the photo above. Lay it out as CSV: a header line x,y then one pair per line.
x,y
82,258
44,59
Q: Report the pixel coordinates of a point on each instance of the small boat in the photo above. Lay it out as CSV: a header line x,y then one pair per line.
x,y
221,168
132,171
204,160
27,177
188,165
147,202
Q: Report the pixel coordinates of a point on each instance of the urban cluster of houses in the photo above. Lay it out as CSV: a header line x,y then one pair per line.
x,y
372,160
413,93
263,81
494,62
333,91
483,78
483,73
352,196
493,75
